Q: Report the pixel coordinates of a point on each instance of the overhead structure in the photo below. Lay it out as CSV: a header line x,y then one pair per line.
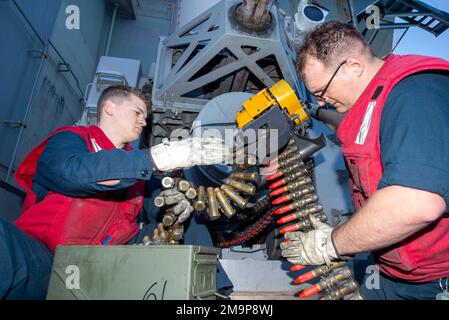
x,y
400,14
217,53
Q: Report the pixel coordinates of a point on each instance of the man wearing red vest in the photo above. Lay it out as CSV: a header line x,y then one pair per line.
x,y
85,186
395,141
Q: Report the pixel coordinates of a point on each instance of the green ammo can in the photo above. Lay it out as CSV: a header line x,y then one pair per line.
x,y
137,272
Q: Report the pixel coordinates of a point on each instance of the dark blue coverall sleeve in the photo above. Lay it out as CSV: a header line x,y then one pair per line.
x,y
414,134
68,167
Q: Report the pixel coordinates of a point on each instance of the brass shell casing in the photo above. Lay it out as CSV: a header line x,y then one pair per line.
x,y
226,207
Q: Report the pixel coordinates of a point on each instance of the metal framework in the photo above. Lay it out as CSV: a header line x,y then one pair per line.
x,y
215,54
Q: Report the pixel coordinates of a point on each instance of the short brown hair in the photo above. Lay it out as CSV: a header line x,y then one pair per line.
x,y
118,92
330,43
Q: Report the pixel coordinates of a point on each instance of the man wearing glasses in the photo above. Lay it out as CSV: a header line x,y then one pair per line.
x,y
395,140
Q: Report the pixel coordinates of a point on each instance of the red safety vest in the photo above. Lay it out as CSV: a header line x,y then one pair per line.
x,y
425,255
63,220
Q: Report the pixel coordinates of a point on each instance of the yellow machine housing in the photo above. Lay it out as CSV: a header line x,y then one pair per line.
x,y
279,95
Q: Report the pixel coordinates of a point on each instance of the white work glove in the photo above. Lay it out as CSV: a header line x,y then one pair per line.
x,y
183,208
189,152
310,248
185,214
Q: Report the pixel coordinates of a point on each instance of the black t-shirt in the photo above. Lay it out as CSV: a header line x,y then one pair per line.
x,y
414,134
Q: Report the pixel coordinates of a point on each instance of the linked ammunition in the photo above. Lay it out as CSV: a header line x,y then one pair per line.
x,y
146,240
228,210
174,199
200,202
242,167
296,157
169,235
212,204
284,154
291,142
168,219
183,185
301,225
300,214
297,204
169,192
155,234
246,176
181,206
159,201
168,182
178,232
321,216
157,239
190,193
286,170
294,195
284,163
244,187
297,267
345,289
354,296
295,227
234,196
289,178
291,186
327,282
287,152
319,271
162,232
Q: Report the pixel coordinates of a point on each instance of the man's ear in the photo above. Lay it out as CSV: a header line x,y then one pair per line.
x,y
108,107
356,66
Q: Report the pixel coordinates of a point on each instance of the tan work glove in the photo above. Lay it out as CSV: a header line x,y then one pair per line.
x,y
310,248
183,207
189,152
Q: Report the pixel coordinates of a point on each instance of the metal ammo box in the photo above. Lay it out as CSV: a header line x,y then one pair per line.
x,y
170,272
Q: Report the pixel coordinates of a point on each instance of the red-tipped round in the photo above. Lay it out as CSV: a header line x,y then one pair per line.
x,y
276,184
283,209
278,191
280,200
297,267
290,228
274,176
287,219
305,277
273,167
310,291
271,162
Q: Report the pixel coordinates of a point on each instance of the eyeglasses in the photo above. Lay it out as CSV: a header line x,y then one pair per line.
x,y
321,97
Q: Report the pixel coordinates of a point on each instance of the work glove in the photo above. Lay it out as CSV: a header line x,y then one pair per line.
x,y
182,207
310,248
189,152
183,216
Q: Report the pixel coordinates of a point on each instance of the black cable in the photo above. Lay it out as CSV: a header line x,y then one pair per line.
x,y
214,125
402,36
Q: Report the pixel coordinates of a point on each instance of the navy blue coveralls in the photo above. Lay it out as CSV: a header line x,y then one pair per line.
x,y
25,263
